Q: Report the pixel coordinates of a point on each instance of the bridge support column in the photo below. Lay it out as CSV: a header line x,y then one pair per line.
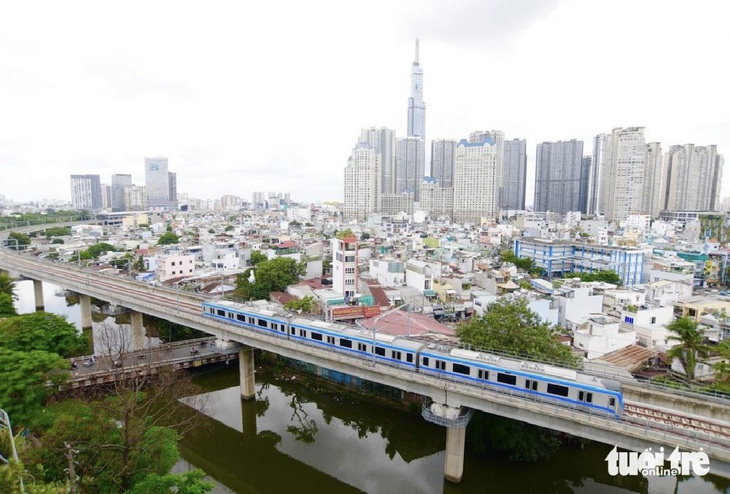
x,y
38,291
454,462
455,419
137,330
85,302
245,364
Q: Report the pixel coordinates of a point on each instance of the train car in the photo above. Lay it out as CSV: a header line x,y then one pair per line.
x,y
559,385
339,337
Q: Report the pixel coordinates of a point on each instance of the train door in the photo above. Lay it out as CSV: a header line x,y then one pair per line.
x,y
531,384
585,397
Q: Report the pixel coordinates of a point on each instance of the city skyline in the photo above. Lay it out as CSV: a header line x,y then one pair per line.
x,y
83,97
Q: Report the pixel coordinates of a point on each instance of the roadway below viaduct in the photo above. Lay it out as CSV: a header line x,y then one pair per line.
x,y
184,308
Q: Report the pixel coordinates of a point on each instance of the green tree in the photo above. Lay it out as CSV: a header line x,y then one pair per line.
x,y
168,238
181,483
524,263
510,326
139,264
306,305
7,285
7,307
11,474
41,331
58,231
365,236
23,240
229,228
344,233
603,276
257,257
691,338
23,385
270,276
722,368
96,250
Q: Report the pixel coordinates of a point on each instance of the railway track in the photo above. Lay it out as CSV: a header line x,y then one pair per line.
x,y
674,420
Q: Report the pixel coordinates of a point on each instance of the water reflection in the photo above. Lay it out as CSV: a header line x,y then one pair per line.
x,y
339,445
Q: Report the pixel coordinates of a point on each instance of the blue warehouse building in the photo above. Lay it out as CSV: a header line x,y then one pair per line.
x,y
558,258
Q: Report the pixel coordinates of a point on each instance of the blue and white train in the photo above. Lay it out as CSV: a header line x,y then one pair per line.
x,y
541,381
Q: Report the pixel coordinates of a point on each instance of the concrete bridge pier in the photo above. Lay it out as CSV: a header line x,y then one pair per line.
x,y
38,291
137,330
85,302
245,365
455,419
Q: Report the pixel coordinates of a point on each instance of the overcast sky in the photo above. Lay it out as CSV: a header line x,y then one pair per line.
x,y
271,96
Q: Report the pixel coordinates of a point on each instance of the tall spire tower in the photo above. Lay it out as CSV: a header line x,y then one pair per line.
x,y
416,106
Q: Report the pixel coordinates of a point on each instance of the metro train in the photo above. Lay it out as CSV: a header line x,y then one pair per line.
x,y
559,385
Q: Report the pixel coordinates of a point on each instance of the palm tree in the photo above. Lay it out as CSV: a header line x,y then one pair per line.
x,y
691,338
7,285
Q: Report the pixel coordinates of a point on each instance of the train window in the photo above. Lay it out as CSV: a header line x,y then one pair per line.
x,y
250,320
440,364
483,374
221,312
581,396
506,378
292,330
331,340
360,346
303,333
395,354
589,397
380,351
241,317
409,357
274,326
425,361
316,336
534,385
263,323
556,389
345,343
612,402
462,369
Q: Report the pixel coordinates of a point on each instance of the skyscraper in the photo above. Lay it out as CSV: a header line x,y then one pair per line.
x,y
410,164
654,190
558,176
475,183
383,140
443,154
497,136
619,166
157,183
119,181
693,175
514,174
362,175
416,105
86,192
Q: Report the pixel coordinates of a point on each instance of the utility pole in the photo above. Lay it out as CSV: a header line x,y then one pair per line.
x,y
71,469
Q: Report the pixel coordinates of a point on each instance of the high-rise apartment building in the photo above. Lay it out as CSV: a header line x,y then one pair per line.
x,y
479,136
416,105
558,176
619,165
514,174
86,192
257,200
362,186
654,187
585,178
443,155
475,180
119,181
383,140
437,200
135,198
106,196
160,184
410,163
693,176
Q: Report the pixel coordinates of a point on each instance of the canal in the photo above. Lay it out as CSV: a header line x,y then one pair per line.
x,y
302,435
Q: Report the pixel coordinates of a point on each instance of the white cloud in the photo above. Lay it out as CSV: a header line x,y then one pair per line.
x,y
272,95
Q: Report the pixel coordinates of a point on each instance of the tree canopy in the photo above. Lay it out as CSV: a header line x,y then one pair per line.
x,y
257,257
96,250
168,238
510,326
604,276
7,285
269,276
23,384
41,331
691,338
306,305
7,306
21,238
524,263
